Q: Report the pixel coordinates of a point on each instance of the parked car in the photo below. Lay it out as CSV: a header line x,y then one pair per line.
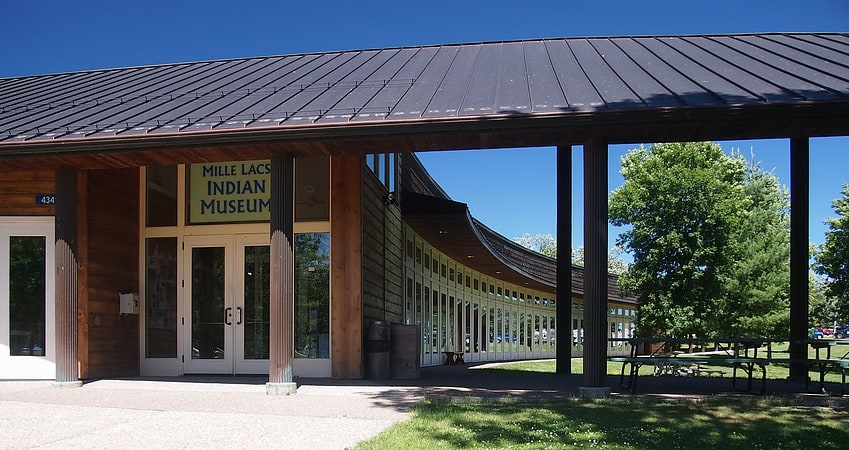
x,y
842,331
816,333
826,331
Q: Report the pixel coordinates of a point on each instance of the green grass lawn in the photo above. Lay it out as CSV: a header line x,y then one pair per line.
x,y
748,423
617,423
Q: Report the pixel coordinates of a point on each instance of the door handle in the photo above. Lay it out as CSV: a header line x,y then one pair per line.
x,y
239,317
228,313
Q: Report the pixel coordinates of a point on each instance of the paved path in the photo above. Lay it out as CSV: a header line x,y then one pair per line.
x,y
180,414
235,412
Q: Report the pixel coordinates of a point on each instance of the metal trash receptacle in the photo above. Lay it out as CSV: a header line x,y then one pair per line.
x,y
377,350
404,352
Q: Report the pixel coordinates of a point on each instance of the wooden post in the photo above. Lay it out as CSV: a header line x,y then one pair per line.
x,y
563,307
282,278
67,363
595,270
799,254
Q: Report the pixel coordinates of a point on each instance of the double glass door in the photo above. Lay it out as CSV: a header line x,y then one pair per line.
x,y
227,300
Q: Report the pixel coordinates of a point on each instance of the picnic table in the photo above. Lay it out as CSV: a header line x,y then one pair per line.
x,y
453,358
701,358
825,363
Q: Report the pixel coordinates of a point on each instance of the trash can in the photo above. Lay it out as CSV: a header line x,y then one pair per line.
x,y
404,352
377,350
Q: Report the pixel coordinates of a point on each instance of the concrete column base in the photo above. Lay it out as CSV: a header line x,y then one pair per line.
x,y
281,388
67,384
594,393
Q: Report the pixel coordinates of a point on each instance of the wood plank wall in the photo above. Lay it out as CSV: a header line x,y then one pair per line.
x,y
382,254
18,191
109,344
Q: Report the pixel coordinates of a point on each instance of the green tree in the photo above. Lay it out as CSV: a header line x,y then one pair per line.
x,y
615,264
832,257
540,243
708,234
757,281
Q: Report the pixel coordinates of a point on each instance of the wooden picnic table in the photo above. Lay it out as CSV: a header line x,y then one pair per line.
x,y
666,355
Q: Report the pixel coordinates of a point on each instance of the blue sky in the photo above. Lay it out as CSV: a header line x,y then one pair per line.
x,y
512,191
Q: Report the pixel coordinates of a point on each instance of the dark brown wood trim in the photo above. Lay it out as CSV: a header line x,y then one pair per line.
x,y
595,263
67,370
282,295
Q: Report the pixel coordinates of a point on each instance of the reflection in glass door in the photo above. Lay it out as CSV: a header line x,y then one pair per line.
x,y
27,334
227,294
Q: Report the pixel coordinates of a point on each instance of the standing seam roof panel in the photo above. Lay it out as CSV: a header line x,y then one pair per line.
x,y
359,70
415,61
311,84
256,106
703,70
103,90
639,77
135,99
667,74
574,81
479,96
514,92
823,60
613,90
808,82
451,93
260,85
188,105
138,118
543,88
370,80
785,86
416,99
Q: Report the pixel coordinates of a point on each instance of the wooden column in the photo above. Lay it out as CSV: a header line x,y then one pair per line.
x,y
346,263
799,253
595,269
563,307
282,295
67,362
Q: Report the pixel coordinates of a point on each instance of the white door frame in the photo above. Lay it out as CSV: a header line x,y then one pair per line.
x,y
28,367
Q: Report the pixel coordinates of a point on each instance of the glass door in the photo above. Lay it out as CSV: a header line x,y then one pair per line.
x,y
209,296
27,333
252,320
226,294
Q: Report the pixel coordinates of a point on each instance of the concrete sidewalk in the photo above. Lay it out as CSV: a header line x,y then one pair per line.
x,y
235,412
196,413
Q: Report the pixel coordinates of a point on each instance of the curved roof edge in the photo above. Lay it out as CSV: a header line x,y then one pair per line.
x,y
449,226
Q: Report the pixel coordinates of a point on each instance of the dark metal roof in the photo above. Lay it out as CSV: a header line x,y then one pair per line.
x,y
531,92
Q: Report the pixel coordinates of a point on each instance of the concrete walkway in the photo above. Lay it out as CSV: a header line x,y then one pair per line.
x,y
235,412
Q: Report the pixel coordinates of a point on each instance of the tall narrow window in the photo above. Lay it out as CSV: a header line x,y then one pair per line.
x,y
161,195
27,277
161,298
312,295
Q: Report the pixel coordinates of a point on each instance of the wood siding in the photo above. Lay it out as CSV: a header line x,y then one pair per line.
x,y
382,255
18,191
109,344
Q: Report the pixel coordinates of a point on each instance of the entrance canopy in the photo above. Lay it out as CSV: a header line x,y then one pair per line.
x,y
481,95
